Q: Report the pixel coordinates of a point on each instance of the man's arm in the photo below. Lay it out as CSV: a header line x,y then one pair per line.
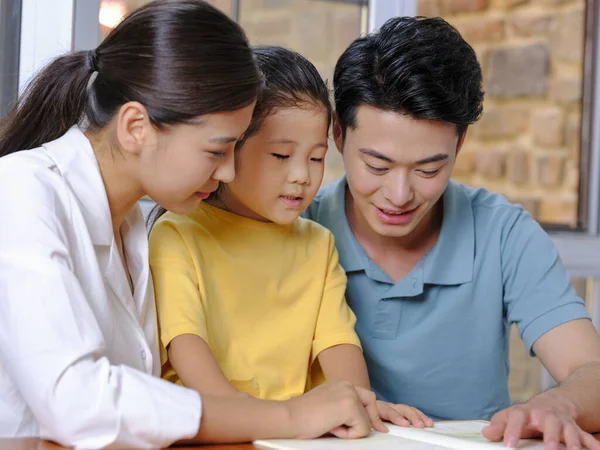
x,y
569,411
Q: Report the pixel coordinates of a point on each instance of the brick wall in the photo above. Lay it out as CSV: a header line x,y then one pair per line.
x,y
527,144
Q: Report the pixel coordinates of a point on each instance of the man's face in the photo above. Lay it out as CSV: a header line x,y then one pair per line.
x,y
397,168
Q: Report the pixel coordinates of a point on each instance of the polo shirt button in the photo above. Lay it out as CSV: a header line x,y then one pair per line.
x,y
143,355
415,284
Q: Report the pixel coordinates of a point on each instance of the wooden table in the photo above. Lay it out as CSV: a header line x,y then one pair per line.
x,y
37,444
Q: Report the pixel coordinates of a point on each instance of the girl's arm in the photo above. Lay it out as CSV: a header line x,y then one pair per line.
x,y
196,366
345,362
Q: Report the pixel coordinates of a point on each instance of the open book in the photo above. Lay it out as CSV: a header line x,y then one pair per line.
x,y
458,435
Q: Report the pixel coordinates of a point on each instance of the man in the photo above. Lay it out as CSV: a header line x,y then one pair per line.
x,y
437,271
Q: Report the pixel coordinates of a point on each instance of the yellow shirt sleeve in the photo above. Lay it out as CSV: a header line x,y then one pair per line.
x,y
335,322
177,285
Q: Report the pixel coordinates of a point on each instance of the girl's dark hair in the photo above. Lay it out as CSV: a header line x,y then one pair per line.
x,y
289,80
180,59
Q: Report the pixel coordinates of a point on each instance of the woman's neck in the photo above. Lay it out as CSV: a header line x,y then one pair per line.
x,y
123,190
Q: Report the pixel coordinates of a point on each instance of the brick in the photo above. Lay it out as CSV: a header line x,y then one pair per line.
x,y
531,204
531,24
460,6
465,163
518,71
566,89
547,127
267,28
573,137
491,164
501,122
486,29
346,26
518,167
550,169
312,33
559,210
429,8
567,36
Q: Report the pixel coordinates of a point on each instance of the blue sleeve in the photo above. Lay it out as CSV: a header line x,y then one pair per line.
x,y
538,294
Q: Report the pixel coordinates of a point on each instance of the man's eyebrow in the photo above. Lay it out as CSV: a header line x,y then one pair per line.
x,y
434,158
375,154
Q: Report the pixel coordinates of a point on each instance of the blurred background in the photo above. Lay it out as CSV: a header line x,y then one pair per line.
x,y
538,142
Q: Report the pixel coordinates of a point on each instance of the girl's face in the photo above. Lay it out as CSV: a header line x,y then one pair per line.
x,y
281,166
183,164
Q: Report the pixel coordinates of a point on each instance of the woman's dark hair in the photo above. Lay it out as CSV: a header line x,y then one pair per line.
x,y
180,59
289,80
415,66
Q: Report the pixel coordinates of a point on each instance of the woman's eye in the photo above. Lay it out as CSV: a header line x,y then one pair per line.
x,y
218,154
317,160
279,156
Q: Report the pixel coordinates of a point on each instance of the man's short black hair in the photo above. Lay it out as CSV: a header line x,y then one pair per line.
x,y
415,66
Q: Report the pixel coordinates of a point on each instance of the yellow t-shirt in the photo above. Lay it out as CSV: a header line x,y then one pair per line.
x,y
266,298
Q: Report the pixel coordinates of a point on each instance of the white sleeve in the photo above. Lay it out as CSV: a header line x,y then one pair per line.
x,y
53,350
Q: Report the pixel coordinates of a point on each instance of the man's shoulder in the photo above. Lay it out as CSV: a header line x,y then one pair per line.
x,y
323,205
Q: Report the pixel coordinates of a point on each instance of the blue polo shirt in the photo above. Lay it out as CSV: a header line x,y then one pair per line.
x,y
438,339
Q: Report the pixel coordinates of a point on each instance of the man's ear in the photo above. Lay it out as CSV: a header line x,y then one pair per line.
x,y
336,131
461,140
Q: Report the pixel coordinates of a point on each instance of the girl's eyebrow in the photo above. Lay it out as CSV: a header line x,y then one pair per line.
x,y
223,139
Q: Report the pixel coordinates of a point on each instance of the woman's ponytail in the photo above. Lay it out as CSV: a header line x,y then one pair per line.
x,y
53,102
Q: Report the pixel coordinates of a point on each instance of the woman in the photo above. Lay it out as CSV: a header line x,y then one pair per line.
x,y
164,99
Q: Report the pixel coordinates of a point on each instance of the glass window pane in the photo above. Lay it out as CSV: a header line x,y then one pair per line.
x,y
525,379
320,30
112,11
527,145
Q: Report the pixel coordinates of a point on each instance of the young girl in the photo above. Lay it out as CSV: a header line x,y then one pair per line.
x,y
165,97
251,296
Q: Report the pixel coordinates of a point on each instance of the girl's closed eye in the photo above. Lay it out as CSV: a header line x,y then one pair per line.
x,y
218,153
280,156
317,160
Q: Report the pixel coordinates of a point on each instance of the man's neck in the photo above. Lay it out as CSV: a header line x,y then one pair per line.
x,y
396,256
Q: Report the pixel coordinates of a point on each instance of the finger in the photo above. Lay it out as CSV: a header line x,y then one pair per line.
x,y
571,436
517,420
551,428
369,402
589,441
495,430
412,415
386,412
357,424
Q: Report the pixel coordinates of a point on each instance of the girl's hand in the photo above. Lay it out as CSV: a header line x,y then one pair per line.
x,y
403,415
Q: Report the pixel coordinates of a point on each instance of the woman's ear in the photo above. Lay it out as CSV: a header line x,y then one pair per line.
x,y
133,127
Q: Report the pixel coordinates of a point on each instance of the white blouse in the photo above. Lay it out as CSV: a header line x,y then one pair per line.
x,y
79,358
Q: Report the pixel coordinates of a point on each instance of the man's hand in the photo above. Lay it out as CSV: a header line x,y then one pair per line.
x,y
403,415
548,415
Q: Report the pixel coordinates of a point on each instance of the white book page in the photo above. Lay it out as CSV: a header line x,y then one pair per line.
x,y
375,441
460,435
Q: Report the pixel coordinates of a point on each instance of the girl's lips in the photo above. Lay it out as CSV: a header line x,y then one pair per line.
x,y
290,201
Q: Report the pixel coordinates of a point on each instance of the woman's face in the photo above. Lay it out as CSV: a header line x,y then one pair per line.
x,y
182,164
